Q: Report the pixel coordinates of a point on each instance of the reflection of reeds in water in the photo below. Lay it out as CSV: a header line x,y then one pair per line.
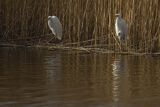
x,y
84,20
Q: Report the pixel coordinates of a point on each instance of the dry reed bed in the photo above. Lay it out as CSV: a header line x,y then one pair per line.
x,y
84,20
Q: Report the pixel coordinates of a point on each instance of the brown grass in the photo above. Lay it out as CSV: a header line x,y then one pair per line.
x,y
84,20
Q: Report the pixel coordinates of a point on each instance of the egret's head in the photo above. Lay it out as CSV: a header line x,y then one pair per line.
x,y
49,17
118,15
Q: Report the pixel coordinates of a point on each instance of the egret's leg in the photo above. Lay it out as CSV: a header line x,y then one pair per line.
x,y
126,44
121,46
119,43
51,39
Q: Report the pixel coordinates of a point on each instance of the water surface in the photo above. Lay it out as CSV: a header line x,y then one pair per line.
x,y
32,77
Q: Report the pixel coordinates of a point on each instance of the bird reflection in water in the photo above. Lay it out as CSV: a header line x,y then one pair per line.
x,y
118,66
53,67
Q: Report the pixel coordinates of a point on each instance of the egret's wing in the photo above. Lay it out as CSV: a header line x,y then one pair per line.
x,y
124,27
56,27
50,24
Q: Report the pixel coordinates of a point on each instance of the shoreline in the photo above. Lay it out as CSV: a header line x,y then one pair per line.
x,y
53,47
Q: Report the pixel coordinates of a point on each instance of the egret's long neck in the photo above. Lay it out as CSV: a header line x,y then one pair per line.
x,y
118,18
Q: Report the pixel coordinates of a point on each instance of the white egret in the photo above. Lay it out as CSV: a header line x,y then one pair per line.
x,y
55,26
121,28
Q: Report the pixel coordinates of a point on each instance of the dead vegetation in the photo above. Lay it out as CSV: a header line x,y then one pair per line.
x,y
86,23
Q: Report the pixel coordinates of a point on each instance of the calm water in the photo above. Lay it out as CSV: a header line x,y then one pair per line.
x,y
31,77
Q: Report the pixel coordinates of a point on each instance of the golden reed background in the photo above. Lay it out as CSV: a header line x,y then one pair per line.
x,y
84,20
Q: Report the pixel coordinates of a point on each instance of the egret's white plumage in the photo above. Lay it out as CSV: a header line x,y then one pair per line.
x,y
121,28
55,26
